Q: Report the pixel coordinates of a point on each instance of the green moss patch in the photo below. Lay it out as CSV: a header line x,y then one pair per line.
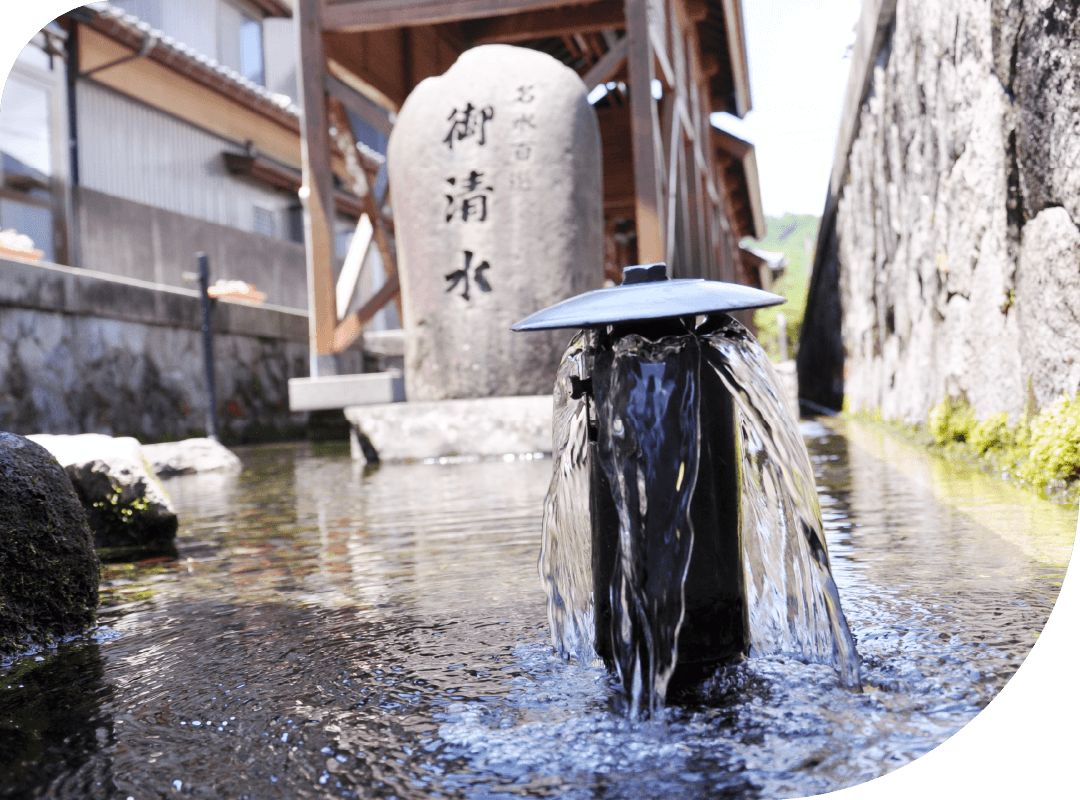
x,y
1041,452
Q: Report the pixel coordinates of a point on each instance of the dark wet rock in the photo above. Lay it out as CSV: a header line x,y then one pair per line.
x,y
125,505
189,457
49,571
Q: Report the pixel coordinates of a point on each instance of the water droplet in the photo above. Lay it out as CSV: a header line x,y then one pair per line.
x,y
196,723
177,784
284,737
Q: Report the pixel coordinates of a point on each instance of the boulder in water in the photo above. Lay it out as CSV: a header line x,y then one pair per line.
x,y
124,503
189,457
49,572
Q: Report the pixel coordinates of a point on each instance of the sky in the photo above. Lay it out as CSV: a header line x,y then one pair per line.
x,y
799,62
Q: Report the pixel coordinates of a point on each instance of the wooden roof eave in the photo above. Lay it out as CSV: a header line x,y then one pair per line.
x,y
740,156
740,67
273,8
355,16
191,65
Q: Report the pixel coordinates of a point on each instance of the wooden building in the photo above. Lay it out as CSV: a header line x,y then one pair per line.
x,y
675,188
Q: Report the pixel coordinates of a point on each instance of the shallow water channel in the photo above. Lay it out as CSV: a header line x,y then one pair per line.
x,y
334,632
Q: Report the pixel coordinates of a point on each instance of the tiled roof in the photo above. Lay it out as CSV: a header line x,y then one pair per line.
x,y
129,30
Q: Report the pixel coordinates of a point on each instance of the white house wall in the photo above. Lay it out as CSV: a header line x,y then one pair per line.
x,y
137,153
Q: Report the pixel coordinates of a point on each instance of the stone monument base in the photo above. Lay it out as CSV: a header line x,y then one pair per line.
x,y
482,427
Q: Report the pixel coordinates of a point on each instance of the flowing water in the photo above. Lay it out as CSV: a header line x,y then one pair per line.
x,y
334,632
650,401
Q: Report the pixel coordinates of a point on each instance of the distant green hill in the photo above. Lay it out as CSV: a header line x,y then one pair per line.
x,y
795,237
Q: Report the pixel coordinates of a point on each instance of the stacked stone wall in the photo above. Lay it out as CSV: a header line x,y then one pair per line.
x,y
86,353
957,258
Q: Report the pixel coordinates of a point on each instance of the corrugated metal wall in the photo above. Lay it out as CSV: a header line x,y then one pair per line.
x,y
130,150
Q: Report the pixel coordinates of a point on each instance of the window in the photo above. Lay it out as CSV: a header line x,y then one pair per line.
x,y
294,223
149,11
251,50
24,134
240,44
30,220
226,30
28,155
264,221
34,55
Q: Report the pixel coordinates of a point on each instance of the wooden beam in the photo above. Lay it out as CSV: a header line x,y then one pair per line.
x,y
364,190
594,17
740,68
572,47
287,179
352,326
362,87
353,268
371,15
660,52
604,69
645,133
673,187
316,194
272,8
696,10
691,266
710,65
372,113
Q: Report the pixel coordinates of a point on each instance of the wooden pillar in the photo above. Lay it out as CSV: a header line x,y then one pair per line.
x,y
644,133
316,193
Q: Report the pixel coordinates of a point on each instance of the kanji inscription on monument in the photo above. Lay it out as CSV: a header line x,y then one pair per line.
x,y
495,175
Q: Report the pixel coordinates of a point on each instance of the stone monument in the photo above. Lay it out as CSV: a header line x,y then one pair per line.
x,y
496,182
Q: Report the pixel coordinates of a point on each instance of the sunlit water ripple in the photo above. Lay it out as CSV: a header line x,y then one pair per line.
x,y
328,632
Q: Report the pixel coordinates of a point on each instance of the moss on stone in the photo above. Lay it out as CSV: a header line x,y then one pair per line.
x,y
951,420
1041,452
1054,450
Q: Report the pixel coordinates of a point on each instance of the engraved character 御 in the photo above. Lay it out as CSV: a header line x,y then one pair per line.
x,y
470,121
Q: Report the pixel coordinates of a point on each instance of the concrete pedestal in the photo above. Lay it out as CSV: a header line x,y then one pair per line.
x,y
483,427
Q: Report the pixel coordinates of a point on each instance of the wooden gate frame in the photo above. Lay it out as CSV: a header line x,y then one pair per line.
x,y
681,208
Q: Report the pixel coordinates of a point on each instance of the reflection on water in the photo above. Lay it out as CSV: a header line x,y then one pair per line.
x,y
328,632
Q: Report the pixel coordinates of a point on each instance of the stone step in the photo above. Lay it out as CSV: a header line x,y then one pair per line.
x,y
483,427
342,391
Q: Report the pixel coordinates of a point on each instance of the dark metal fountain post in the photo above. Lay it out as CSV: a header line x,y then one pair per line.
x,y
664,475
208,345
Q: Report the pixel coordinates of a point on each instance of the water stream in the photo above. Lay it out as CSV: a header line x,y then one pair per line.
x,y
656,405
334,632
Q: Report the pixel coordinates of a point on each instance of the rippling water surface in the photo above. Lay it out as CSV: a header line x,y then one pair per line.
x,y
334,632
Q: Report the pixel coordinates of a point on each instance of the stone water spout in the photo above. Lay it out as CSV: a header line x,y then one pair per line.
x,y
681,529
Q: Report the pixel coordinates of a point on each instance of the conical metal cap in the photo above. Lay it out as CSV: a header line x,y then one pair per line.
x,y
647,293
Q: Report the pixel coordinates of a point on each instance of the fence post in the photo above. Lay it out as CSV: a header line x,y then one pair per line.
x,y
208,345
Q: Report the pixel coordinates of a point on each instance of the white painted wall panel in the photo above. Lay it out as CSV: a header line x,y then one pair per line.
x,y
130,150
